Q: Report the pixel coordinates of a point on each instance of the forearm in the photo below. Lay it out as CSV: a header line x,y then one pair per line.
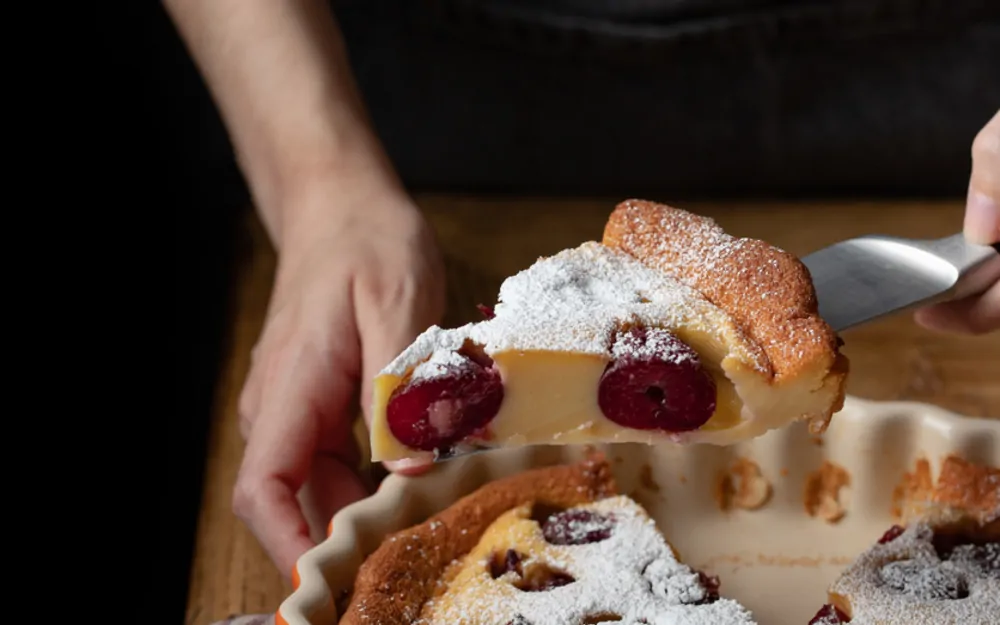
x,y
278,73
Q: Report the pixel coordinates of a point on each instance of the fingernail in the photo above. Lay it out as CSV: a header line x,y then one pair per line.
x,y
407,465
982,218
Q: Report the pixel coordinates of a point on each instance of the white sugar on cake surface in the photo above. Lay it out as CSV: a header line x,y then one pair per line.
x,y
633,574
904,582
652,345
442,363
573,301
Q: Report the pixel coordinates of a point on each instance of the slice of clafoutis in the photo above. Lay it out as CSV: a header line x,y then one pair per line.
x,y
668,330
941,565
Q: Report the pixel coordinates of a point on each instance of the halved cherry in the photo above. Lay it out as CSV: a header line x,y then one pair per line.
x,y
435,413
656,383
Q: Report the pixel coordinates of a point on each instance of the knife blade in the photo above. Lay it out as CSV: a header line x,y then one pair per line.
x,y
866,278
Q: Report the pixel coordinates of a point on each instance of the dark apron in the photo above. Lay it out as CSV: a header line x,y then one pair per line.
x,y
678,97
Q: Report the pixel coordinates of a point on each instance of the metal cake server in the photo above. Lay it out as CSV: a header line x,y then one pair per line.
x,y
863,279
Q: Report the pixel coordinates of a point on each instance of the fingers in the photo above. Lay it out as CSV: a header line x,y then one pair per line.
x,y
332,485
408,466
976,314
982,214
298,390
281,528
249,401
979,313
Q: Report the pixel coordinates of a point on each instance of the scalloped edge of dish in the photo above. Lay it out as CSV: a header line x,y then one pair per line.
x,y
914,429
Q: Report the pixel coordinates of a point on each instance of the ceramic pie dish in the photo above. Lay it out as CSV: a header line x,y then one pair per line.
x,y
777,517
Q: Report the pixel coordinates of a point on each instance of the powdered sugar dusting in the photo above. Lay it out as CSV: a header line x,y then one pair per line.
x,y
709,251
442,363
764,282
905,582
632,574
653,344
574,301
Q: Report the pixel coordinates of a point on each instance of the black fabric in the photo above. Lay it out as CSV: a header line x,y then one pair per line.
x,y
195,185
693,98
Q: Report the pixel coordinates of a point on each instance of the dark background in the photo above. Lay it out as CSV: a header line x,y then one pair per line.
x,y
195,178
777,99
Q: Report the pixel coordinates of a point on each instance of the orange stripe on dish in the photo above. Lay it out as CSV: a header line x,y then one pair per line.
x,y
295,577
278,619
329,528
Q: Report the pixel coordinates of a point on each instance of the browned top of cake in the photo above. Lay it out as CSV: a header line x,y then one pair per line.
x,y
965,498
974,489
400,576
767,291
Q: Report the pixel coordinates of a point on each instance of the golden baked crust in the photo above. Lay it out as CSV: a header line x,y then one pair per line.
x,y
400,576
965,493
767,291
971,489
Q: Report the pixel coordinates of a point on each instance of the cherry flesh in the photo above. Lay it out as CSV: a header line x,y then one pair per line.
x,y
435,413
656,383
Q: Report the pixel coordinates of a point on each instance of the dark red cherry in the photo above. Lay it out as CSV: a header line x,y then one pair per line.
x,y
891,534
504,562
711,585
542,577
486,311
577,527
829,614
656,382
435,413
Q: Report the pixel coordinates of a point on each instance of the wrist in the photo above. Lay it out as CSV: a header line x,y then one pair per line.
x,y
332,203
315,190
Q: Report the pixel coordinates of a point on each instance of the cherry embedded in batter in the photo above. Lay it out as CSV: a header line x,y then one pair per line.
x,y
984,558
891,534
502,563
486,311
981,554
435,413
830,614
577,527
925,580
542,577
711,585
656,383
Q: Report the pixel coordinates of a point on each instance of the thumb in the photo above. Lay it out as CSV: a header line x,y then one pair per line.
x,y
982,212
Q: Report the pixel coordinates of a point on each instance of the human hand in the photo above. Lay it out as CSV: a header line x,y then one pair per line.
x,y
976,314
354,286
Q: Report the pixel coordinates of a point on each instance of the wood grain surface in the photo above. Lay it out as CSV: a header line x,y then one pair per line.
x,y
486,240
